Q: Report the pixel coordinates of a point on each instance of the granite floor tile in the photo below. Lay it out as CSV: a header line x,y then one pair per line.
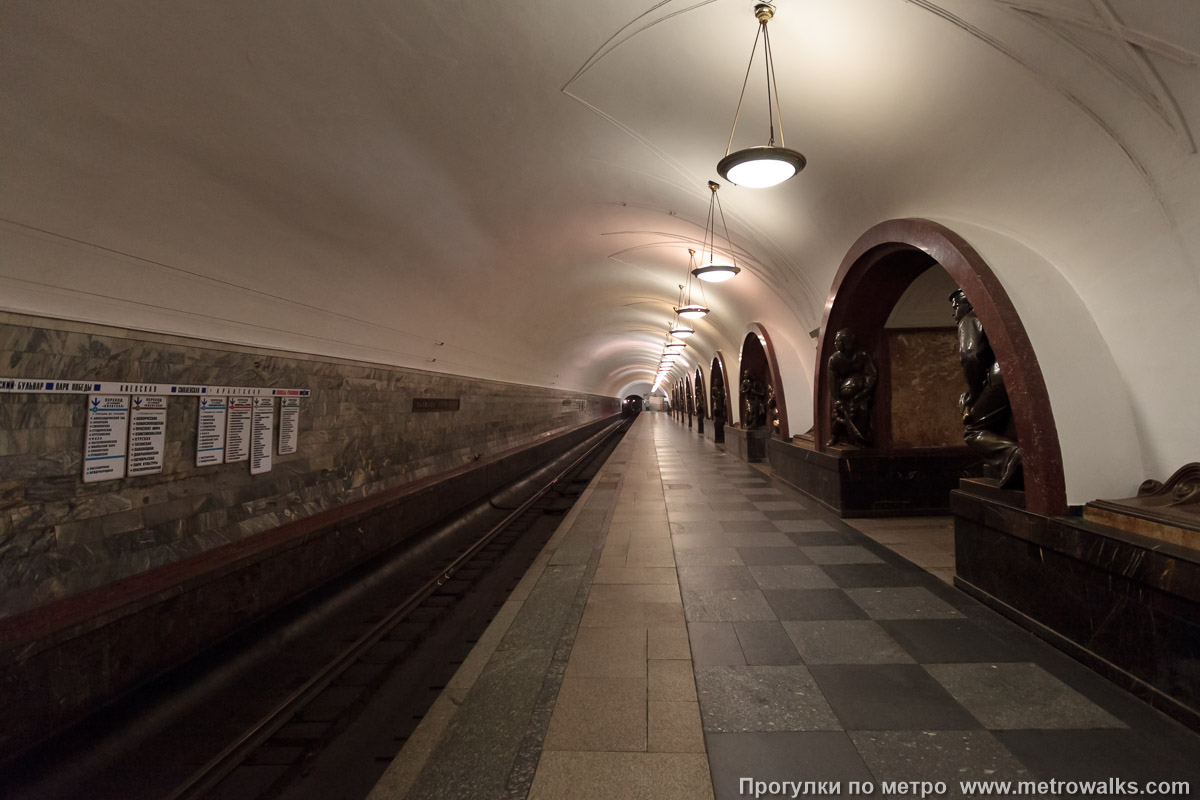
x,y
650,557
779,505
734,505
761,492
812,604
750,526
726,605
820,756
772,556
841,554
889,697
790,576
872,576
766,644
903,603
814,536
662,575
633,593
690,541
630,614
643,776
674,727
845,642
1088,755
670,681
1019,696
789,514
951,641
487,731
608,653
701,578
668,641
712,557
738,699
948,756
688,528
715,644
599,714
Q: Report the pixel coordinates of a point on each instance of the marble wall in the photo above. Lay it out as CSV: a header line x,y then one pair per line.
x,y
926,381
358,436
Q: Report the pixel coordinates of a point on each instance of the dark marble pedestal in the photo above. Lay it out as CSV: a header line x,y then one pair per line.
x,y
718,429
864,483
749,446
1125,604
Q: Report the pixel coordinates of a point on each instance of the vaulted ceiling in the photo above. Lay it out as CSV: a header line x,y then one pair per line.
x,y
507,190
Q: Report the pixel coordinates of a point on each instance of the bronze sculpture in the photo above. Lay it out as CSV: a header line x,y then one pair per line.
x,y
718,403
986,412
851,376
753,408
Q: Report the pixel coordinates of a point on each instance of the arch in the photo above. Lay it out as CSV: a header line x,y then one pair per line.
x,y
702,407
718,361
757,330
872,276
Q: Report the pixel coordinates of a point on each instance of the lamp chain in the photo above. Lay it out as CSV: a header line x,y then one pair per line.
x,y
746,80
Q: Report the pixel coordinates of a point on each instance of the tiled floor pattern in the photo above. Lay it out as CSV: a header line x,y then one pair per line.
x,y
696,623
820,655
927,542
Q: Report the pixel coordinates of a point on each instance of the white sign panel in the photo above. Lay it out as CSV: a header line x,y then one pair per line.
x,y
289,424
147,434
107,434
237,429
210,431
260,435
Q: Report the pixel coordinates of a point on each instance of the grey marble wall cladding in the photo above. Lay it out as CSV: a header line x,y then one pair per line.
x,y
358,436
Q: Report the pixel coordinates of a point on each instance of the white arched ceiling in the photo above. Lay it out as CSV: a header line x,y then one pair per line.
x,y
508,190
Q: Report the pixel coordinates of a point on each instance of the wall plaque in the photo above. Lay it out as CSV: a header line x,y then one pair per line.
x,y
261,423
147,435
237,429
435,404
289,424
107,437
210,431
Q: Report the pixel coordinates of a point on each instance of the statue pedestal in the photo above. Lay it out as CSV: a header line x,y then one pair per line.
x,y
749,446
1126,605
867,483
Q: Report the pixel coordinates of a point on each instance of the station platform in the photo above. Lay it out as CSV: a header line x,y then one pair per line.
x,y
695,629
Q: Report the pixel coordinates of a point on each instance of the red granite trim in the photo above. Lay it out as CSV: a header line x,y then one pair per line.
x,y
861,288
98,606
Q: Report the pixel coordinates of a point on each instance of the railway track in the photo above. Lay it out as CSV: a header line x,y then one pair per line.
x,y
334,731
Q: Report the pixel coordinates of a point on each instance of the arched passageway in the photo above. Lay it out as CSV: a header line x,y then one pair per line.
x,y
877,270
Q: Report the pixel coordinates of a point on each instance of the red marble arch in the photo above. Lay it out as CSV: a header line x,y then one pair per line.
x,y
719,359
758,330
871,279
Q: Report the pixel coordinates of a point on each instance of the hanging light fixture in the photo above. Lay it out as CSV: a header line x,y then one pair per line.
x,y
674,347
690,310
714,271
681,330
769,164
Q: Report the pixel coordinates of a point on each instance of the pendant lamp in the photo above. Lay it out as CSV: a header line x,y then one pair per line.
x,y
770,164
715,271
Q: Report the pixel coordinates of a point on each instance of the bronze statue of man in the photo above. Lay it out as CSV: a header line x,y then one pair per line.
x,y
718,402
851,376
753,393
986,412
